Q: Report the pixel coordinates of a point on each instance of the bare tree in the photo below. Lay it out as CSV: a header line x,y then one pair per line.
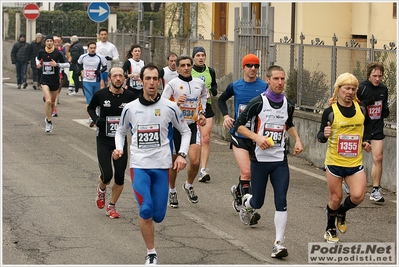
x,y
184,19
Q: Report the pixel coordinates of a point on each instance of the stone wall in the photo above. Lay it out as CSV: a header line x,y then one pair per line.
x,y
308,125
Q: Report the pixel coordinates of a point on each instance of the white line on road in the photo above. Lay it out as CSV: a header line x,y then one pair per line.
x,y
225,236
84,122
308,173
90,156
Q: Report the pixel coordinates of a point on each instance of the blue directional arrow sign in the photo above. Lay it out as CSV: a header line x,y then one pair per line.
x,y
98,11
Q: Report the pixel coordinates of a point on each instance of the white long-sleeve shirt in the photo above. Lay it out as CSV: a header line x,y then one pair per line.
x,y
108,49
196,93
149,127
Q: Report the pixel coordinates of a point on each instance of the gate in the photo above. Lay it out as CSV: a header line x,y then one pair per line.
x,y
251,37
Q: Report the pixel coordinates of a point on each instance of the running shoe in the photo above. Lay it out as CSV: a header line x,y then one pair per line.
x,y
279,251
54,114
173,200
25,85
341,223
237,203
19,86
191,196
204,176
345,188
72,93
111,212
100,199
49,126
376,195
331,236
35,86
248,216
151,259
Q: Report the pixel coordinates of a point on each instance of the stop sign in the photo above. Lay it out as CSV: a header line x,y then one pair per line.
x,y
31,11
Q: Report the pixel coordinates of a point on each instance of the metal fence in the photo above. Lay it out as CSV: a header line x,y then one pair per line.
x,y
311,68
312,71
219,53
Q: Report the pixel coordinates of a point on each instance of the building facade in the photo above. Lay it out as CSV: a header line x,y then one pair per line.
x,y
346,20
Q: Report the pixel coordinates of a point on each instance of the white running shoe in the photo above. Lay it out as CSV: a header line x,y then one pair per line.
x,y
49,126
376,195
191,196
204,176
151,259
173,202
345,188
248,216
279,251
237,204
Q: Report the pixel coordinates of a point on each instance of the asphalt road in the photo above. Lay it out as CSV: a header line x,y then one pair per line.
x,y
50,217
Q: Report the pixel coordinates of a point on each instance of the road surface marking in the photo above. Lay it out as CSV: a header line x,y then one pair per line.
x,y
259,256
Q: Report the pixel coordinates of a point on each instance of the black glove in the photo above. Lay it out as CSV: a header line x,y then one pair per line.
x,y
100,122
108,58
98,73
13,62
214,91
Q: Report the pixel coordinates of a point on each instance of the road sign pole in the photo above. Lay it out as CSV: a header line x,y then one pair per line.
x,y
30,32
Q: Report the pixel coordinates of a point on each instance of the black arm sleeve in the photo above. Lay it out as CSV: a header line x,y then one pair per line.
x,y
126,67
214,85
365,95
291,108
385,107
229,92
367,123
91,108
161,74
103,68
253,108
324,119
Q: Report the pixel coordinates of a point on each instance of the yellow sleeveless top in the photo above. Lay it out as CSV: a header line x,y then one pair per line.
x,y
345,142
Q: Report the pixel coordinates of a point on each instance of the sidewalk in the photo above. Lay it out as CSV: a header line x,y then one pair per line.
x,y
9,76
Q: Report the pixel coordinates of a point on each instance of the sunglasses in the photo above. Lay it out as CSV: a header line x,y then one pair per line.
x,y
252,65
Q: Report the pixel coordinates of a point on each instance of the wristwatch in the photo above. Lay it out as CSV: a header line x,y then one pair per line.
x,y
182,154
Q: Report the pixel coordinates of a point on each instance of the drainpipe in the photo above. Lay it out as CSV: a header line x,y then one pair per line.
x,y
293,12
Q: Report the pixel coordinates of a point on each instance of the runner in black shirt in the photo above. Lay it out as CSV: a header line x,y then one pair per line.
x,y
50,60
375,95
105,110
